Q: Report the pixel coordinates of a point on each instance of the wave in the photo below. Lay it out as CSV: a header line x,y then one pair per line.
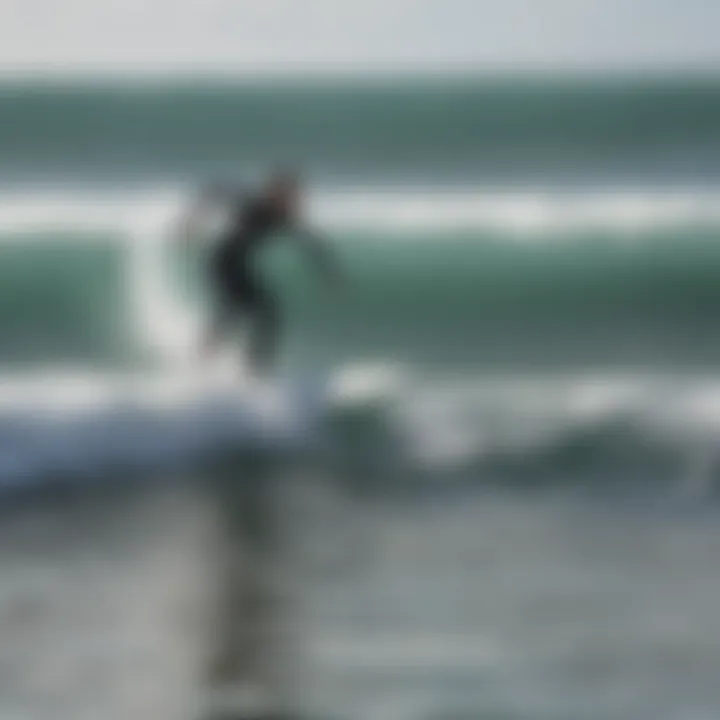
x,y
464,277
83,426
591,432
377,426
383,209
520,214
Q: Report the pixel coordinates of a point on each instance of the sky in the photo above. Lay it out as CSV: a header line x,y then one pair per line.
x,y
291,37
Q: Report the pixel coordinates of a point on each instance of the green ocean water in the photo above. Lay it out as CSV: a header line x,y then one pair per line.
x,y
499,130
468,300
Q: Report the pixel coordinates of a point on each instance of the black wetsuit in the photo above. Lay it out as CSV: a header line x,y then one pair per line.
x,y
235,284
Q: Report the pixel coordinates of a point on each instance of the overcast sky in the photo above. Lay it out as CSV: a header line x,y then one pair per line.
x,y
248,37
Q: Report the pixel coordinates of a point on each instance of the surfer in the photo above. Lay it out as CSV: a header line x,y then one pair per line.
x,y
238,292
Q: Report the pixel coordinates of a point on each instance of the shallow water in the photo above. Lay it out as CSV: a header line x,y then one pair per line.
x,y
488,604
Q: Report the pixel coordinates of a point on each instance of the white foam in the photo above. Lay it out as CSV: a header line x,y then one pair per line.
x,y
529,213
73,422
450,425
366,384
88,211
80,423
381,209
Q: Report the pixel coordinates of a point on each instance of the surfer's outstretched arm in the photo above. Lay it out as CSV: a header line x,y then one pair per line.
x,y
321,254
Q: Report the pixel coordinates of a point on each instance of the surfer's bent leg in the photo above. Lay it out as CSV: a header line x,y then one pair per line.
x,y
226,309
240,296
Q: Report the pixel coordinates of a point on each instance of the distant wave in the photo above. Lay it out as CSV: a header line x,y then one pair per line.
x,y
388,209
493,130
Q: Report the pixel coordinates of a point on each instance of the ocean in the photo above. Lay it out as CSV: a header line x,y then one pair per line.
x,y
484,485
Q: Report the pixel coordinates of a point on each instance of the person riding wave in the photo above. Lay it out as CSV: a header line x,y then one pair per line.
x,y
238,292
